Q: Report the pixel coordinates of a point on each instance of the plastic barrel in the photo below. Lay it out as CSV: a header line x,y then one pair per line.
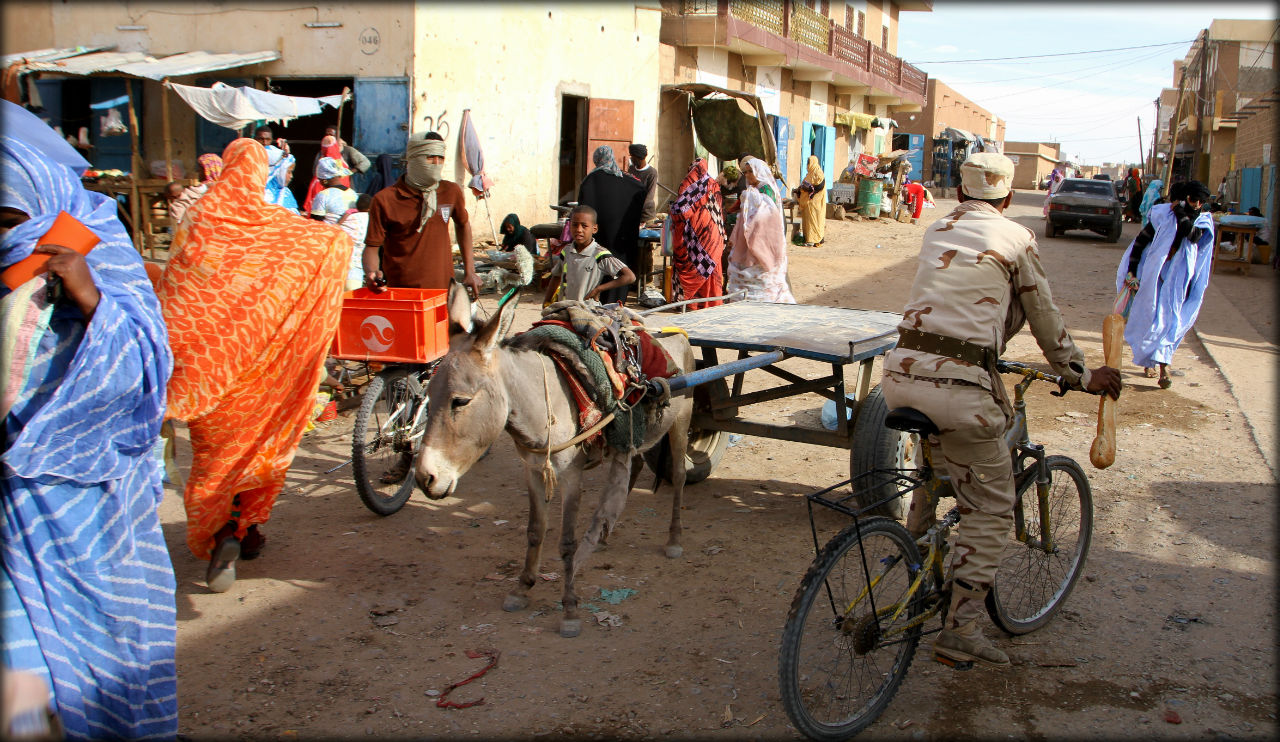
x,y
869,195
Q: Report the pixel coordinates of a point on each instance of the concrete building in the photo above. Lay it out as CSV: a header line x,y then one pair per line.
x,y
825,72
945,108
544,82
1231,63
1032,162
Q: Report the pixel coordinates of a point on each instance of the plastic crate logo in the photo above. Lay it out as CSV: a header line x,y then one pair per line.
x,y
376,333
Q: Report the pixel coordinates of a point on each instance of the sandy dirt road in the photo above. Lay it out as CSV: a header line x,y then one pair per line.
x,y
349,621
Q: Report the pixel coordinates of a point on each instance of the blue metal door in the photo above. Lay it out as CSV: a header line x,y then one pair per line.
x,y
820,141
113,152
1250,188
781,140
381,115
912,142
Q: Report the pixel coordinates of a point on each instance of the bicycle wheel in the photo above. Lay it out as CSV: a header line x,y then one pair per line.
x,y
843,653
385,436
1031,585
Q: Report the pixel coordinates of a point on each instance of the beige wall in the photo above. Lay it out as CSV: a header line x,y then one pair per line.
x,y
510,64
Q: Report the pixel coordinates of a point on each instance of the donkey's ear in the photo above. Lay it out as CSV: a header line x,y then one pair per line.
x,y
459,306
493,331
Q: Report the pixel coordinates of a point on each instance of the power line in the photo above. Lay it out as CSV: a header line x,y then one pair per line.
x,y
1042,56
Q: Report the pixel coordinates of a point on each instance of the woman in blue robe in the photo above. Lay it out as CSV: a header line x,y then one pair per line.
x,y
279,173
1169,261
87,584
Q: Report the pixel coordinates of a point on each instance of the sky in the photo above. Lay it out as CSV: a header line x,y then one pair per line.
x,y
1090,103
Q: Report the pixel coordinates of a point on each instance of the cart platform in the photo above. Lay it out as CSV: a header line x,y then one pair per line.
x,y
828,334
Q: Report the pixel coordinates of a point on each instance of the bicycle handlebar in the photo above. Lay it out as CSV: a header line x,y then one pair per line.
x,y
1013,367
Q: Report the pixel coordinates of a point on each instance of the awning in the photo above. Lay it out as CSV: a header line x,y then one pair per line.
x,y
854,120
955,133
49,55
236,108
139,64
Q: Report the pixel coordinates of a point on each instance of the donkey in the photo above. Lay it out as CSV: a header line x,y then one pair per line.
x,y
484,386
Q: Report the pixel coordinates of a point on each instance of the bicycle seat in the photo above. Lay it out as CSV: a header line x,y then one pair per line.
x,y
910,420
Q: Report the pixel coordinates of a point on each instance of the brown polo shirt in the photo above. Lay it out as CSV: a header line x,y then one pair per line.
x,y
411,258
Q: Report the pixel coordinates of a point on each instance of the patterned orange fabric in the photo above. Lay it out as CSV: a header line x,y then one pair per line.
x,y
251,297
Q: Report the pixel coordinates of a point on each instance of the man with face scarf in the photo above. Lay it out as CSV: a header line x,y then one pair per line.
x,y
407,245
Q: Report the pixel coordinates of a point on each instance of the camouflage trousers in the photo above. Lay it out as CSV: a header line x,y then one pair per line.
x,y
972,448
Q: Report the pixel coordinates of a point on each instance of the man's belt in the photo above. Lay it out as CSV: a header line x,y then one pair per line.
x,y
949,347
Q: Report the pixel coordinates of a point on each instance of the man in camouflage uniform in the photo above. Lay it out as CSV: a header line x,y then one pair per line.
x,y
979,279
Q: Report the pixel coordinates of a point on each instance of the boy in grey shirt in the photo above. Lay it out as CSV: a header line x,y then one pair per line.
x,y
584,266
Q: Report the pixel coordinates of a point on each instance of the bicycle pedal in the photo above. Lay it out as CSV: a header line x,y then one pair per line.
x,y
953,664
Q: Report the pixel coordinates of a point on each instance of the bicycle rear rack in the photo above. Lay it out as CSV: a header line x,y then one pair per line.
x,y
862,487
867,485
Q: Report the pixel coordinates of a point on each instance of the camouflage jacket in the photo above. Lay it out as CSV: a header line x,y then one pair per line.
x,y
979,279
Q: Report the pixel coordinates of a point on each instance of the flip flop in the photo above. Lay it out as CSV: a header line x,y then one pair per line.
x,y
221,574
1150,373
1166,382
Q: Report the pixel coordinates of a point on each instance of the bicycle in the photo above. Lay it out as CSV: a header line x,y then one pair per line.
x,y
387,433
858,615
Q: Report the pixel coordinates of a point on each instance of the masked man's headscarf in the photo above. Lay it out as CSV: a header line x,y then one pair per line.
x,y
422,175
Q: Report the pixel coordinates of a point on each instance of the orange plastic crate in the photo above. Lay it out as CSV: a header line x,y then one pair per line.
x,y
398,325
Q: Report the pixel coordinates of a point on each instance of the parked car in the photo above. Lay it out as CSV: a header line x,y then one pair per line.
x,y
1081,203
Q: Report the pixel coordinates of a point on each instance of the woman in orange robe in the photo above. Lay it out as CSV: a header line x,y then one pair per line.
x,y
251,296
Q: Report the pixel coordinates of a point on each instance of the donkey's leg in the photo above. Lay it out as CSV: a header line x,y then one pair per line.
x,y
571,487
518,598
613,498
679,437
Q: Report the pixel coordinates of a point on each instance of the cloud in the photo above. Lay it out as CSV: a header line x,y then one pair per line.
x,y
946,48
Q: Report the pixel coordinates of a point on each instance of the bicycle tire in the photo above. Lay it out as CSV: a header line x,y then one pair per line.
x,y
377,446
877,446
822,654
1030,585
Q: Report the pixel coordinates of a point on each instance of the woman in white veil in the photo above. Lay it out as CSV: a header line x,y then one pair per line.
x,y
758,254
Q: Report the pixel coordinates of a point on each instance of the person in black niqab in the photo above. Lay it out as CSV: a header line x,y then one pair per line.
x,y
618,199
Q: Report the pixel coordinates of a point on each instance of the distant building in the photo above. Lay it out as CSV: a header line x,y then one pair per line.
x,y
945,108
1229,70
1032,162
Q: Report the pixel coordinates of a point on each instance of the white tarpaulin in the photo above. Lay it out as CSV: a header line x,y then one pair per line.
x,y
236,108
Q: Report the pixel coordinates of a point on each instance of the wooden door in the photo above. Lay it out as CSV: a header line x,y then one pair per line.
x,y
610,122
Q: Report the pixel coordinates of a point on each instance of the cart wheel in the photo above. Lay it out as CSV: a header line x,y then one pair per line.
x,y
878,447
706,447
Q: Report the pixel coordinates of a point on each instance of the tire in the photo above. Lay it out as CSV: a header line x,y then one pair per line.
x,y
878,447
706,447
1030,585
864,658
1113,234
380,441
1049,230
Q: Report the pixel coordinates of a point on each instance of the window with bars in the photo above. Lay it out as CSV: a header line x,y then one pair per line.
x,y
850,15
862,25
884,38
825,8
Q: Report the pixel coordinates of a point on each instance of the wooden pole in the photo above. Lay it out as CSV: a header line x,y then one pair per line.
x,y
1139,139
341,104
136,162
164,125
1173,121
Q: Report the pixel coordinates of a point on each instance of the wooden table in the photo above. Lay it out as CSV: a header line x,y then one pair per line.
x,y
136,211
1245,241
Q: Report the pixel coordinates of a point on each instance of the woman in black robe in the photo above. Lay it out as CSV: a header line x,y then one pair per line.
x,y
618,199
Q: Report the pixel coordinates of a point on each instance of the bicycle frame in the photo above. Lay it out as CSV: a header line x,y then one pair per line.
x,y
1028,461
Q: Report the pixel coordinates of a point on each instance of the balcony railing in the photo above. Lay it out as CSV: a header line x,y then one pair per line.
x,y
817,32
766,14
811,28
849,47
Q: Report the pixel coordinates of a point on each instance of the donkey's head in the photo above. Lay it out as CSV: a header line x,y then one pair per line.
x,y
468,405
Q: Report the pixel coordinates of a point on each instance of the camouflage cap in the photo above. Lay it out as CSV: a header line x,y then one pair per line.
x,y
986,175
